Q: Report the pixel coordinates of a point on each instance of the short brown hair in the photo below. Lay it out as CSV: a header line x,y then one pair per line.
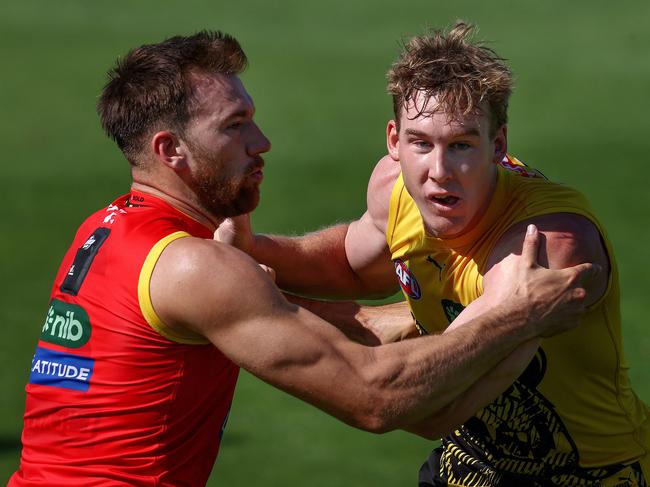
x,y
459,73
151,85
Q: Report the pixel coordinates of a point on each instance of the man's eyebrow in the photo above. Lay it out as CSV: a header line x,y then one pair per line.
x,y
468,131
242,112
415,132
463,132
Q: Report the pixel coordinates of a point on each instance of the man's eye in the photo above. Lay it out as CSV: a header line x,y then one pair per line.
x,y
460,146
421,144
234,126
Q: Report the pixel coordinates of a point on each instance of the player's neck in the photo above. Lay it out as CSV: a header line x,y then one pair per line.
x,y
182,204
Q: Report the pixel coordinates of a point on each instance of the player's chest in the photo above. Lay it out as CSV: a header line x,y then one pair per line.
x,y
437,284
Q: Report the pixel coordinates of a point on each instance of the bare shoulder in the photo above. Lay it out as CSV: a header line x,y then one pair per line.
x,y
380,188
198,283
366,248
192,258
568,239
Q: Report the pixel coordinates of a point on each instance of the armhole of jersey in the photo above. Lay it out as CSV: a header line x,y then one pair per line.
x,y
393,209
144,296
603,238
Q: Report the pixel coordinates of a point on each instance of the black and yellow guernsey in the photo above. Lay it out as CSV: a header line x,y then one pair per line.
x,y
572,418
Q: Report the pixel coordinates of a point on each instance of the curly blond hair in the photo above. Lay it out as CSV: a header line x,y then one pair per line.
x,y
460,74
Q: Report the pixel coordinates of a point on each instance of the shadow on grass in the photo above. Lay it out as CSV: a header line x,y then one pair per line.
x,y
233,438
9,443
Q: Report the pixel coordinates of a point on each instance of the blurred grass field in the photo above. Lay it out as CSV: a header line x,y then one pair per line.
x,y
579,114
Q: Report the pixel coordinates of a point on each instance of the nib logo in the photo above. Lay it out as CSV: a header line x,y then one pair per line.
x,y
66,324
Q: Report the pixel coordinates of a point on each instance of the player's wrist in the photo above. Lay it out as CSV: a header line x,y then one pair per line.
x,y
516,321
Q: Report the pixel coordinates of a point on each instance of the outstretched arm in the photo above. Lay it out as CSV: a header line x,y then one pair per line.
x,y
444,421
217,291
369,325
347,261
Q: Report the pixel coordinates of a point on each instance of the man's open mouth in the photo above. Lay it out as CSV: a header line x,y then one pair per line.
x,y
445,200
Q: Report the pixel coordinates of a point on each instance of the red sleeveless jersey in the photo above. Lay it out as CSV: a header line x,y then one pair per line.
x,y
115,397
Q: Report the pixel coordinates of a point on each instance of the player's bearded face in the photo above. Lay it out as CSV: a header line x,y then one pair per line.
x,y
224,146
225,188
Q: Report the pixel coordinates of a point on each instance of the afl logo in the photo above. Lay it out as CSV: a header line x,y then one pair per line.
x,y
407,280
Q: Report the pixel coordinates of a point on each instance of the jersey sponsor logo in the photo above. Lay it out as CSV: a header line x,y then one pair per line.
x,y
407,280
134,201
113,211
83,260
66,324
452,309
91,240
58,369
515,165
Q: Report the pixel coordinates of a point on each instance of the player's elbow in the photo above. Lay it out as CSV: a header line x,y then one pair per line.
x,y
374,421
382,409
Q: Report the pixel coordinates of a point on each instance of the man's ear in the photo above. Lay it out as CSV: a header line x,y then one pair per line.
x,y
167,149
500,144
392,140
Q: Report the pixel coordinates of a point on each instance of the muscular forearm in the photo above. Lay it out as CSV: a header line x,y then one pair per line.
x,y
423,380
313,265
479,394
368,325
344,315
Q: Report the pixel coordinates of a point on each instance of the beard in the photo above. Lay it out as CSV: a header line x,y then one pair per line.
x,y
226,198
222,195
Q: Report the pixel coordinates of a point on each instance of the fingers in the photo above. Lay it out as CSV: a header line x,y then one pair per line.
x,y
578,295
587,273
581,280
236,231
530,249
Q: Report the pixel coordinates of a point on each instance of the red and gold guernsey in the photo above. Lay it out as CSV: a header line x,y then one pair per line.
x,y
115,397
572,418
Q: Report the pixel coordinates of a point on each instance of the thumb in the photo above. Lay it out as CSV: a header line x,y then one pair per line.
x,y
235,231
225,232
241,222
530,249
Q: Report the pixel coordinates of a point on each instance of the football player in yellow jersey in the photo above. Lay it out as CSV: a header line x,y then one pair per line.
x,y
446,209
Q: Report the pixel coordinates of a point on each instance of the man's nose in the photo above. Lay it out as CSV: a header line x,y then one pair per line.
x,y
439,165
259,144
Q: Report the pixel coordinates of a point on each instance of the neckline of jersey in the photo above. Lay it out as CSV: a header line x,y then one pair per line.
x,y
159,202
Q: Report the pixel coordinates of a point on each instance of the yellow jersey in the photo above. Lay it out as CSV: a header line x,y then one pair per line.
x,y
572,417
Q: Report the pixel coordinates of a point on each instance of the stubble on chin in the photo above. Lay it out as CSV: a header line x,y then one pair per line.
x,y
224,198
221,196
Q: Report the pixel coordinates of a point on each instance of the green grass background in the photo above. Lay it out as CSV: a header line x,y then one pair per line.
x,y
579,113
